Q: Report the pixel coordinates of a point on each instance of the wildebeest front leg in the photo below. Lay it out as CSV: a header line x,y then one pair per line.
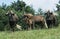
x,y
29,27
52,23
12,28
33,25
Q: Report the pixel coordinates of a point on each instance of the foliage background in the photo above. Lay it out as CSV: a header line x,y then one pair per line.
x,y
19,8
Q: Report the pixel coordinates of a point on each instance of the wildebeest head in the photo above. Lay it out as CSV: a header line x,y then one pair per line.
x,y
27,16
12,16
49,15
10,13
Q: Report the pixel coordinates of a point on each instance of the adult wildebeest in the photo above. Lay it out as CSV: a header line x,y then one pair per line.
x,y
30,19
50,19
13,18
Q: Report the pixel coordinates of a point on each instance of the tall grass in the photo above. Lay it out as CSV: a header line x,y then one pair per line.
x,y
53,33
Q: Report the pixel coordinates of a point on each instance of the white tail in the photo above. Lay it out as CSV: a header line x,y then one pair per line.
x,y
18,26
46,24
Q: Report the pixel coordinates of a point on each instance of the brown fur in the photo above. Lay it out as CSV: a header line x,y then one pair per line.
x,y
32,19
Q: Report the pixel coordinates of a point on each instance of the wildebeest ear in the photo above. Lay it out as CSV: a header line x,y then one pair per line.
x,y
6,14
51,13
13,14
45,13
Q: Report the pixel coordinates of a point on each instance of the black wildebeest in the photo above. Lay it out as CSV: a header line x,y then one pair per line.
x,y
50,19
13,18
30,19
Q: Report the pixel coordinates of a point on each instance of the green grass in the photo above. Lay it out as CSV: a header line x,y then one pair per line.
x,y
53,33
